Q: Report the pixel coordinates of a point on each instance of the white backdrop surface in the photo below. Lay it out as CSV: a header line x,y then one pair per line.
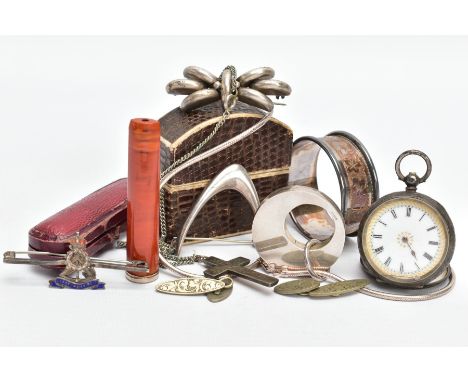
x,y
65,104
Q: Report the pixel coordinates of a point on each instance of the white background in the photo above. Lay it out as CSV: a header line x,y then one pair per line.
x,y
65,108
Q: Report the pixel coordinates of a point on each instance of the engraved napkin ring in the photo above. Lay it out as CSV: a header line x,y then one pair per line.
x,y
355,171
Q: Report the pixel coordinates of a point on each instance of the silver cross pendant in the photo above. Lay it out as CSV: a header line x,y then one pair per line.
x,y
79,272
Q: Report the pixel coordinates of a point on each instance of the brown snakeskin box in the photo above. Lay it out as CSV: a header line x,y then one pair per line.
x,y
266,155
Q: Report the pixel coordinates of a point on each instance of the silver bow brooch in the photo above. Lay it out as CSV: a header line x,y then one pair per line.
x,y
202,88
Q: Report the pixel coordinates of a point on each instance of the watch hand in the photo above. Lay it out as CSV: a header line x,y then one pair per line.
x,y
412,250
406,241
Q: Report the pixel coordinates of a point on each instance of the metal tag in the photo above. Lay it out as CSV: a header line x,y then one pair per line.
x,y
339,288
190,286
297,287
219,295
223,294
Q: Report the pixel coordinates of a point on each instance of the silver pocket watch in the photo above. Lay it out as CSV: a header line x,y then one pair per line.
x,y
407,239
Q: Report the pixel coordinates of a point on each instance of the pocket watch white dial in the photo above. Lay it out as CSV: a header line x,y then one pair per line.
x,y
406,238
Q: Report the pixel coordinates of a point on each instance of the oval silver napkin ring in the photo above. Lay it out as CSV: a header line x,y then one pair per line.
x,y
281,251
354,168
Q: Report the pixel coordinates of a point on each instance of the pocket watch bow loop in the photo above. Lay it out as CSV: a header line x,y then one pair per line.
x,y
202,88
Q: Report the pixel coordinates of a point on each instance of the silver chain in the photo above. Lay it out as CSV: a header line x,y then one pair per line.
x,y
424,296
168,250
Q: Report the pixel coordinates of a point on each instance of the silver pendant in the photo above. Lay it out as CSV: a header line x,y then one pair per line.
x,y
190,286
233,177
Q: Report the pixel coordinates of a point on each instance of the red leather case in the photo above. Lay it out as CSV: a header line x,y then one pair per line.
x,y
99,218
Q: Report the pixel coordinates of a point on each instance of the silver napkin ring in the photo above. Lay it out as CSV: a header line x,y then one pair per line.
x,y
282,252
356,174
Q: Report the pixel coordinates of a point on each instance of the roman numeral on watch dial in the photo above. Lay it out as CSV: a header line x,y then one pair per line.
x,y
388,261
394,214
377,236
427,256
408,211
379,250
